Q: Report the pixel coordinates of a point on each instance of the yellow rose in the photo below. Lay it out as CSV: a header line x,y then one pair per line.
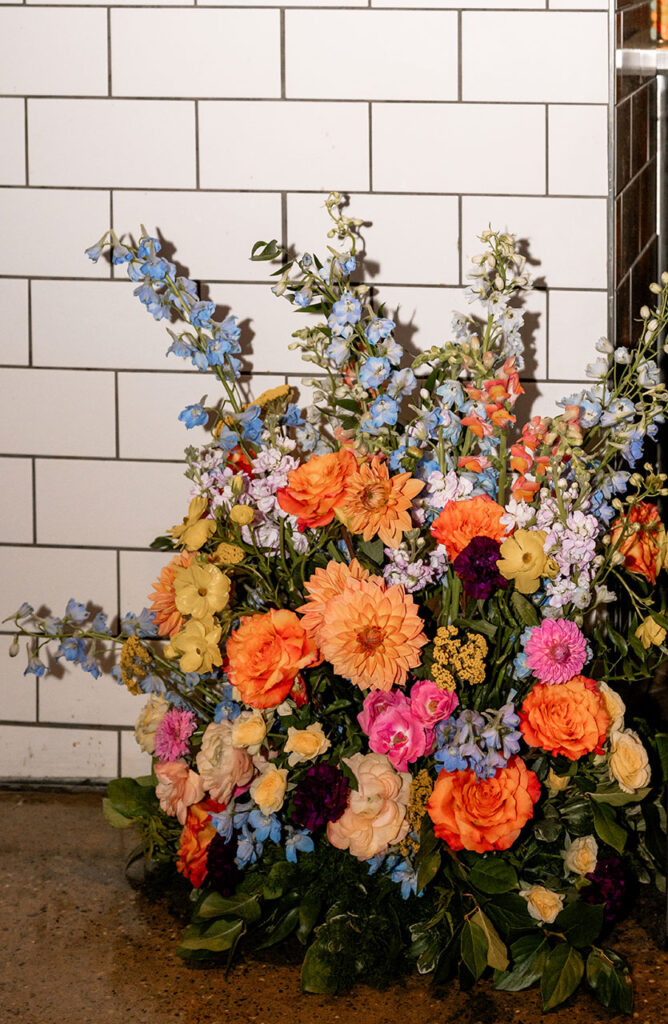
x,y
615,707
197,646
249,730
543,904
556,783
650,633
628,763
268,789
150,717
194,531
581,856
305,744
200,590
242,515
524,560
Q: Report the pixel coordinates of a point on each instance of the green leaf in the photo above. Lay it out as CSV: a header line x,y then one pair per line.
x,y
524,609
427,868
580,923
529,955
278,880
562,974
479,626
509,913
319,971
373,549
130,799
244,906
114,817
661,740
162,544
474,946
609,977
607,827
266,251
618,640
497,954
214,938
309,912
493,875
281,929
616,797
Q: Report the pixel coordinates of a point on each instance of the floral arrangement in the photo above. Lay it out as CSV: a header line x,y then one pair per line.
x,y
392,665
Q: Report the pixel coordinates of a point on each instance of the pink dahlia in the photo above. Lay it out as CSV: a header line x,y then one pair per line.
x,y
556,651
173,734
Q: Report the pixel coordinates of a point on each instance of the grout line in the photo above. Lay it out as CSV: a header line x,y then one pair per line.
x,y
460,222
118,750
118,587
284,223
26,154
109,84
37,701
33,481
29,288
303,190
547,334
357,101
197,154
370,147
459,57
103,727
547,149
117,420
282,51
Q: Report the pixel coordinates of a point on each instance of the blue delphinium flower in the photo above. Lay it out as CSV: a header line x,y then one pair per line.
x,y
76,611
378,329
36,667
250,421
620,409
25,610
374,371
406,875
292,416
390,349
347,310
158,268
181,348
303,297
73,649
394,461
451,394
99,624
91,666
338,351
148,247
201,313
265,826
193,416
142,625
383,410
297,841
93,252
401,383
223,825
120,254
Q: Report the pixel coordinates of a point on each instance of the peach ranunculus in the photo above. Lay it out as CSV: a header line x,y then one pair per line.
x,y
178,787
483,814
318,487
222,766
372,634
566,718
195,839
265,654
376,813
644,550
378,503
461,521
325,584
166,615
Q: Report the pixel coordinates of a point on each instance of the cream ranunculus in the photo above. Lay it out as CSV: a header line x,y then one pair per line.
x,y
376,813
305,744
221,765
556,783
268,789
581,856
150,717
249,730
615,707
543,904
628,763
200,590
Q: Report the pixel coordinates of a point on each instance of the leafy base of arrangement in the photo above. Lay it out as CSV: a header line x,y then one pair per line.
x,y
393,666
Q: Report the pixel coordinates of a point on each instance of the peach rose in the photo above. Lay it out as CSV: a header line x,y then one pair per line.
x,y
268,789
543,904
581,856
487,814
249,730
265,654
317,487
565,718
195,838
222,766
642,551
178,787
628,765
305,744
376,811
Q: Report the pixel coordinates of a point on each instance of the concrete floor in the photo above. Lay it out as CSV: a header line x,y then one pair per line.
x,y
80,946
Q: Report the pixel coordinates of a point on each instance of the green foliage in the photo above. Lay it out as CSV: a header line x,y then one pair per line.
x,y
493,875
609,977
562,973
529,955
607,827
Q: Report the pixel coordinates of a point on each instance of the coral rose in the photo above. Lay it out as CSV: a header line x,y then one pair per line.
x,y
376,811
644,550
566,718
488,814
223,767
195,839
178,787
265,654
461,521
325,584
318,487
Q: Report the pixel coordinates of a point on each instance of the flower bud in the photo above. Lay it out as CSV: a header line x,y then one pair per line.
x,y
655,288
14,647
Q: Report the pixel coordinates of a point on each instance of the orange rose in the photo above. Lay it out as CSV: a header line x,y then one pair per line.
x,y
195,838
565,718
316,488
461,521
642,551
488,814
265,654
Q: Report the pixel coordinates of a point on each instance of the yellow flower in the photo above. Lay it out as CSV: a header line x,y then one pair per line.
x,y
201,590
228,554
275,395
650,632
249,730
628,764
556,783
196,646
194,531
523,559
268,789
305,744
242,515
543,904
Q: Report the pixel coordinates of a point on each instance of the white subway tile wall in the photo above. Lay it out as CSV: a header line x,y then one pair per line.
x,y
216,124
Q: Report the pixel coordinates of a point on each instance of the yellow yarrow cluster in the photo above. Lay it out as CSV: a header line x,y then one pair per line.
x,y
136,664
420,791
455,659
228,554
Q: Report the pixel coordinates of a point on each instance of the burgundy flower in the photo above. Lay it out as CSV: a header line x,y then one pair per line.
x,y
222,873
609,886
321,796
476,567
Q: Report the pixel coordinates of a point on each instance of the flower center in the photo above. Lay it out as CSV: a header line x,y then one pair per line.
x,y
526,557
370,637
559,652
374,496
201,592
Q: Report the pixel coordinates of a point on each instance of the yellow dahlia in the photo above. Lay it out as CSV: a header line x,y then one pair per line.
x,y
201,590
166,615
378,503
372,634
194,531
196,646
325,584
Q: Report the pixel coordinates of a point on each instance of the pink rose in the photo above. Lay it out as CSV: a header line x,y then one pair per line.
x,y
178,787
375,703
393,729
430,704
376,811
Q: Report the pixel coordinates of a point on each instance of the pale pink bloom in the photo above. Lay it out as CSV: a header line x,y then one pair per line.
x,y
376,813
430,704
556,651
178,787
173,734
223,767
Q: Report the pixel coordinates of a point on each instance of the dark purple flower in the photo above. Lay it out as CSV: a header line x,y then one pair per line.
x,y
222,873
321,796
476,567
608,886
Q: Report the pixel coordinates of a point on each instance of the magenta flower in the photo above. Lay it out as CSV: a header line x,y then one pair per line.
x,y
556,651
173,734
393,729
430,704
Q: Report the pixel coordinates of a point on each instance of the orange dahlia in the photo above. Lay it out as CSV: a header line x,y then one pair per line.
x,y
166,615
372,634
317,487
378,503
322,586
461,521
